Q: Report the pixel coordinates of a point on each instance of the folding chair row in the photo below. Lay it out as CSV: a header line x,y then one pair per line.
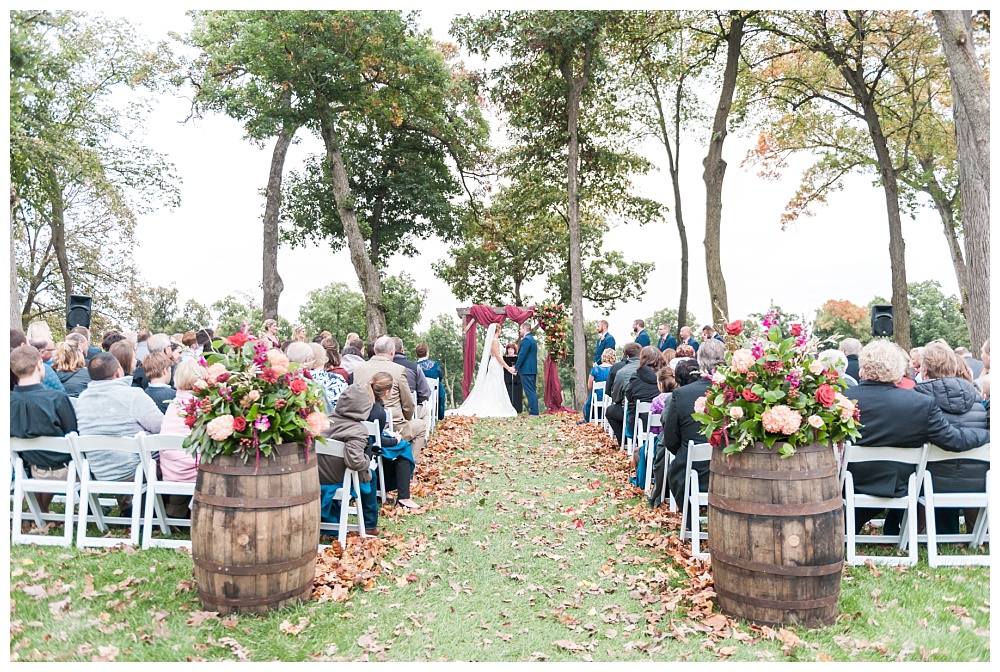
x,y
350,490
432,407
597,405
80,486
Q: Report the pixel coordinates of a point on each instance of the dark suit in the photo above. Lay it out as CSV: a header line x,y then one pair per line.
x,y
892,416
603,344
527,368
680,428
668,342
690,341
642,338
853,367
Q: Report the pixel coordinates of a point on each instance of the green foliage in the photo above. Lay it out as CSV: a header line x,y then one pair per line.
x,y
837,320
340,310
444,343
933,315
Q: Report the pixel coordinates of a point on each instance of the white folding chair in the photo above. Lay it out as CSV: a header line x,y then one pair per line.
x,y
433,409
694,499
89,485
156,488
335,448
638,426
25,487
373,431
665,493
625,442
654,421
971,500
596,406
908,502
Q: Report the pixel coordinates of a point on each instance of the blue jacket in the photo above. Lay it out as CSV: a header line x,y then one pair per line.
x,y
602,345
693,343
668,342
527,357
642,338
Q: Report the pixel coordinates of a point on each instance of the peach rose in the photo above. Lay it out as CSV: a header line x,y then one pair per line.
x,y
743,359
815,421
318,422
278,361
736,412
221,428
816,367
699,405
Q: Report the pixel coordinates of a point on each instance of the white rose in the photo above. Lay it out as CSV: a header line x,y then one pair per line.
x,y
718,378
816,367
736,412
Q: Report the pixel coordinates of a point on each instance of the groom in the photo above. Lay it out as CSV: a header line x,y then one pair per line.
x,y
527,367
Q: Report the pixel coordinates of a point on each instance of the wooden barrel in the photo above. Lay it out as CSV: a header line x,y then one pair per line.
x,y
255,533
776,534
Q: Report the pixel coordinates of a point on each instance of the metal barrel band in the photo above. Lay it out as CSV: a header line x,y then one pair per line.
x,y
257,569
771,568
256,503
785,605
769,475
219,600
808,448
267,469
781,510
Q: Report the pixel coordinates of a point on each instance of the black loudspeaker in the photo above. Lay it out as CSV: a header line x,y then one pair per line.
x,y
881,320
78,311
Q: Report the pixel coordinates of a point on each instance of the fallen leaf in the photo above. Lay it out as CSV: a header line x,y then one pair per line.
x,y
197,617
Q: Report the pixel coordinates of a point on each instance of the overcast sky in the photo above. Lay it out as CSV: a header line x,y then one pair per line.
x,y
841,253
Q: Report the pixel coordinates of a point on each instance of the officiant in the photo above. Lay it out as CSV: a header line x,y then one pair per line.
x,y
513,382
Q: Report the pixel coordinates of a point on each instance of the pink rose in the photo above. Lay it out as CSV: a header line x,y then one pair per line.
x,y
736,413
216,370
278,361
317,422
815,421
816,367
221,428
699,405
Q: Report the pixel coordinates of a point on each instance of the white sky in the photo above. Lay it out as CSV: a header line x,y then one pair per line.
x,y
211,245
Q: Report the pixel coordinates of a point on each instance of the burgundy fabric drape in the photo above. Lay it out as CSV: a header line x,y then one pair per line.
x,y
485,316
553,389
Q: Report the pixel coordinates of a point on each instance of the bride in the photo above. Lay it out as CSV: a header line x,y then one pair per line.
x,y
488,398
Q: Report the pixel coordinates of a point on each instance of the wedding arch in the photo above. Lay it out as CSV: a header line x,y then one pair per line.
x,y
487,315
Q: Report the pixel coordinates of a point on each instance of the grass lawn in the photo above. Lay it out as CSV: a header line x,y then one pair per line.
x,y
535,549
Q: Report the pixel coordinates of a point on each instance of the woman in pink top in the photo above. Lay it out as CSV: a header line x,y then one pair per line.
x,y
179,465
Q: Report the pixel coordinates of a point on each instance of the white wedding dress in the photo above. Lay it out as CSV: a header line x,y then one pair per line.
x,y
488,398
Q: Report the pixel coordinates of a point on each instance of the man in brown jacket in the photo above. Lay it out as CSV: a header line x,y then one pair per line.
x,y
400,401
353,406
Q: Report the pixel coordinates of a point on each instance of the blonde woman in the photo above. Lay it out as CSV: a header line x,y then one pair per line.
x,y
71,368
269,333
179,465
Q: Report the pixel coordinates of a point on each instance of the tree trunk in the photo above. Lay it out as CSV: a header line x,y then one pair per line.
x,y
368,276
58,225
272,281
15,297
715,173
972,130
574,93
682,232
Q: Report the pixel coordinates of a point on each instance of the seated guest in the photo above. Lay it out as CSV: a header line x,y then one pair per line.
x,y
983,381
432,369
851,347
190,342
949,384
669,355
333,385
111,337
334,359
914,370
643,387
176,464
680,427
975,365
349,360
397,455
38,411
80,342
140,344
354,405
400,401
50,379
349,341
158,372
110,406
124,352
90,350
836,360
667,383
684,353
45,348
71,368
598,374
204,338
39,330
157,344
414,376
618,379
892,416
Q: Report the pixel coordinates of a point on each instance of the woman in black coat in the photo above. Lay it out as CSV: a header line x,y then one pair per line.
x,y
643,387
71,367
946,381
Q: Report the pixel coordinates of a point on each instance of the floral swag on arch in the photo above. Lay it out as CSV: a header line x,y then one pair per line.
x,y
554,316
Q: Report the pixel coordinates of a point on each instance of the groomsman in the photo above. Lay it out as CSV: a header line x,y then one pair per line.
x,y
604,340
527,367
686,338
666,340
639,329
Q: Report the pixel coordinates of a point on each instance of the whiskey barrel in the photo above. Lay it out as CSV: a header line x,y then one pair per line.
x,y
255,530
776,534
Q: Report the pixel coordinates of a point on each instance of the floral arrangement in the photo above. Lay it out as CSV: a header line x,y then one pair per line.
x,y
252,399
552,319
772,389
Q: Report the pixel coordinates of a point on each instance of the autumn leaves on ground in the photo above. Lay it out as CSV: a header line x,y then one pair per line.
x,y
533,547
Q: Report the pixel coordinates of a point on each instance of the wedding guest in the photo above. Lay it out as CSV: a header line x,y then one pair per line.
x,y
684,353
642,387
975,365
333,385
667,383
669,355
158,373
618,379
687,339
949,384
177,464
598,374
204,337
891,416
269,333
397,455
350,359
680,427
190,342
355,405
414,375
851,347
70,367
708,332
39,331
914,370
907,382
111,337
334,360
666,340
124,352
604,340
38,411
157,344
836,360
639,329
349,341
45,348
91,350
140,344
432,369
79,341
983,381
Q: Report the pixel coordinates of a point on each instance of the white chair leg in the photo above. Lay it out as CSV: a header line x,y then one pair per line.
x,y
86,498
67,535
358,510
911,528
852,555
